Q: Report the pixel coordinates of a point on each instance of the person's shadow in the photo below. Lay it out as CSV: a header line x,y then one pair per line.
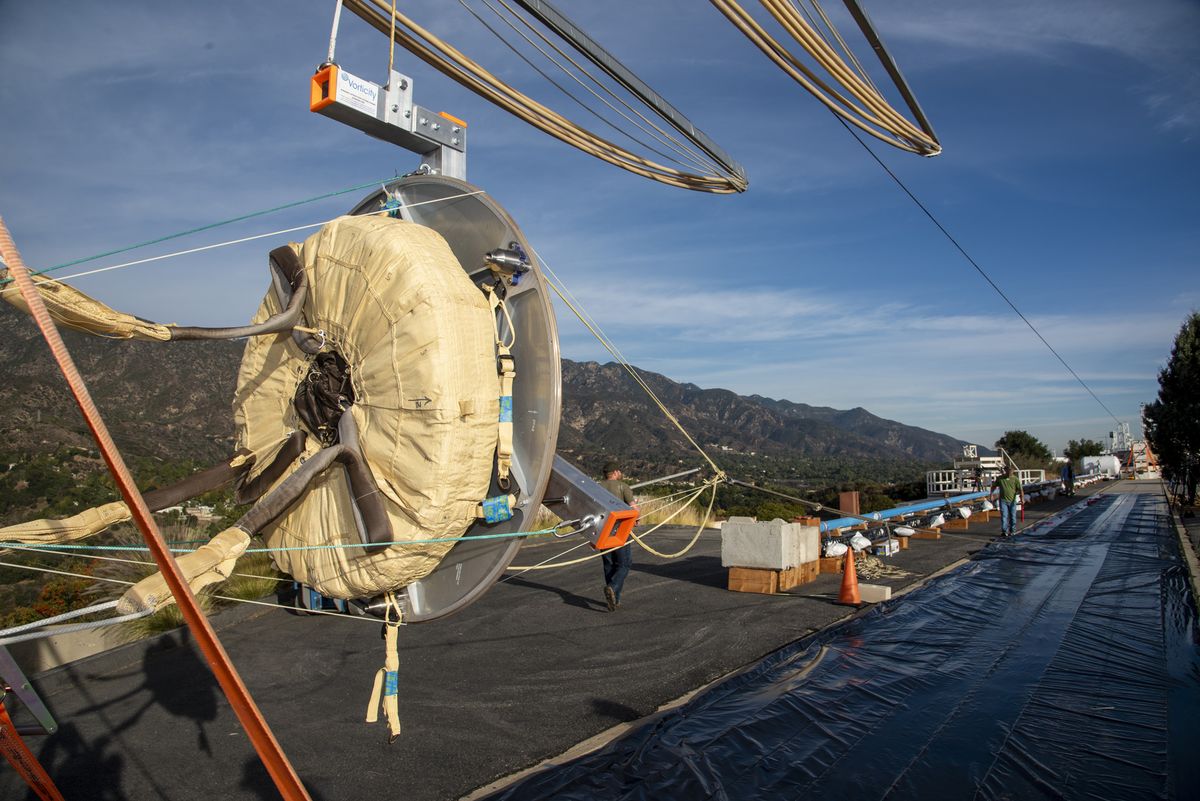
x,y
569,598
177,681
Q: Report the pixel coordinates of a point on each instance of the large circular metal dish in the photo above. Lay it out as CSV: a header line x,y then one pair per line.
x,y
473,224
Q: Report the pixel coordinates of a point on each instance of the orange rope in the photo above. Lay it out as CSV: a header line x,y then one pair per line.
x,y
269,751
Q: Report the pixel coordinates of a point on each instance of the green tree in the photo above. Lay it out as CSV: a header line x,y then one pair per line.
x,y
1025,449
1172,422
1077,449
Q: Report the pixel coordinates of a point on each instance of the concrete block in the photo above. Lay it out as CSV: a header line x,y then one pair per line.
x,y
809,542
772,544
873,593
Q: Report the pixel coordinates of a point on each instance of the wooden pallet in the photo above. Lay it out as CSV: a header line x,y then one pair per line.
x,y
753,579
833,564
769,582
800,574
959,523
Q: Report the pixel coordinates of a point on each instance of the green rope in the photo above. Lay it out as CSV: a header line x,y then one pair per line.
x,y
55,546
208,227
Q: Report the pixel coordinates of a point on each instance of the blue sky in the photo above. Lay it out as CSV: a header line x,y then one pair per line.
x,y
1071,172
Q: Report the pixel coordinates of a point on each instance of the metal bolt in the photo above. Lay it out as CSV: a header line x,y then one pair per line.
x,y
456,129
436,127
422,121
403,84
454,140
395,107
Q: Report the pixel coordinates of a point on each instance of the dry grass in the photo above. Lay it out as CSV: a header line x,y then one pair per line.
x,y
254,576
544,519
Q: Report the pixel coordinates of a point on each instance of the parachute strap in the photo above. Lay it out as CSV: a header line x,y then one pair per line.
x,y
76,527
209,564
506,367
386,692
75,309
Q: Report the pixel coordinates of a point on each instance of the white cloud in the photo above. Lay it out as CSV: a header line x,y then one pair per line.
x,y
1159,36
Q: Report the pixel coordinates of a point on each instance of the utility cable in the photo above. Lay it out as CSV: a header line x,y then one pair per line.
x,y
975,264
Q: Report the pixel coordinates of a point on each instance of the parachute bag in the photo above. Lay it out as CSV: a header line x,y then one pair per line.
x,y
407,347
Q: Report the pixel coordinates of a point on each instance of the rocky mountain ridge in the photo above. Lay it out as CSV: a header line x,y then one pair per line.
x,y
174,401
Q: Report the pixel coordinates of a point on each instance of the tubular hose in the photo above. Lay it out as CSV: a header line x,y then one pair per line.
x,y
877,119
286,265
457,66
376,528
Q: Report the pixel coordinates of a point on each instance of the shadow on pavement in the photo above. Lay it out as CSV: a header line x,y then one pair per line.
x,y
569,598
703,570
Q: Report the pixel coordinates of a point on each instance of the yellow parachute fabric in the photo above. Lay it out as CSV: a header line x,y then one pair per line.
x,y
391,298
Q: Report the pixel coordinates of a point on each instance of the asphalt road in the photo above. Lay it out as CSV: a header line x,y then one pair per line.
x,y
535,667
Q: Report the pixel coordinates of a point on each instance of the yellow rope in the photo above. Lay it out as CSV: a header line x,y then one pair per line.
x,y
544,566
695,537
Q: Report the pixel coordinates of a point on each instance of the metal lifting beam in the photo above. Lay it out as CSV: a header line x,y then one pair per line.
x,y
388,112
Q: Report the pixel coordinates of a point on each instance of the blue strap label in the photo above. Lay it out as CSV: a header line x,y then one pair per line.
x,y
506,408
496,510
391,683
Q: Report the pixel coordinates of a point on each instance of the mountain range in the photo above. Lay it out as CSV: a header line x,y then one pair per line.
x,y
173,402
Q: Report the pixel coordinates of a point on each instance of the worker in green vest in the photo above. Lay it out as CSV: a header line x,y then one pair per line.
x,y
1008,485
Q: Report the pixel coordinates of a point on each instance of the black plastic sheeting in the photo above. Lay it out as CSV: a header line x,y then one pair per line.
x,y
1059,664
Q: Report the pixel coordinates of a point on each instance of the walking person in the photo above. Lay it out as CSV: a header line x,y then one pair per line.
x,y
1068,478
618,560
1008,485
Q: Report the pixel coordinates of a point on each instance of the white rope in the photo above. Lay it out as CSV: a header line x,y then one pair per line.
x,y
236,241
86,555
7,635
219,597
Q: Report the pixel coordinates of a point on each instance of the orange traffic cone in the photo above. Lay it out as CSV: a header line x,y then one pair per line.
x,y
849,593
